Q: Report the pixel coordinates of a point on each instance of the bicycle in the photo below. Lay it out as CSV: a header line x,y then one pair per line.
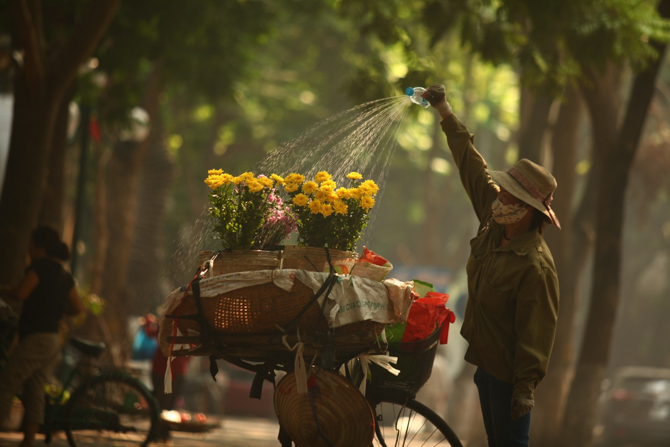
x,y
400,419
93,405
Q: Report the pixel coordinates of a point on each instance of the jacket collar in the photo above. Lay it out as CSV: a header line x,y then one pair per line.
x,y
520,245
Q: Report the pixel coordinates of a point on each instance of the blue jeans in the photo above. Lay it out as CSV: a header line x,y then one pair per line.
x,y
495,397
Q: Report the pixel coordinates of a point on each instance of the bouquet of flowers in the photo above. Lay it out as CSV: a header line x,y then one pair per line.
x,y
328,215
246,212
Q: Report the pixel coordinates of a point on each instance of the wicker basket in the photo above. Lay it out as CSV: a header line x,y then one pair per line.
x,y
239,261
314,259
248,322
256,309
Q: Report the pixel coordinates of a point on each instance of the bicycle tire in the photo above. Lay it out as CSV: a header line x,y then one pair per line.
x,y
407,429
111,406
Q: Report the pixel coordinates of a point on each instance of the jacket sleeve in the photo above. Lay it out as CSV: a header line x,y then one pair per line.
x,y
535,325
471,166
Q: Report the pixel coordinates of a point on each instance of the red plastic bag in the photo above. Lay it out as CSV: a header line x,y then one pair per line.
x,y
427,314
372,257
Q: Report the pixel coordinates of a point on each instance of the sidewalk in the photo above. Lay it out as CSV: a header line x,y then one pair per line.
x,y
234,432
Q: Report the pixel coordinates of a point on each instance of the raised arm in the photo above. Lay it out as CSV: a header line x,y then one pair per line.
x,y
471,165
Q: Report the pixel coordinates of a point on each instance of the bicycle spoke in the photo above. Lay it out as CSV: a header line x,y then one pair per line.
x,y
412,425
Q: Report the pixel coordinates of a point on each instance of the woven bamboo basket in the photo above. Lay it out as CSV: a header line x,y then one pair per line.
x,y
261,310
256,309
239,261
314,259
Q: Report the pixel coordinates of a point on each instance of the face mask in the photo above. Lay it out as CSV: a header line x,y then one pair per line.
x,y
508,214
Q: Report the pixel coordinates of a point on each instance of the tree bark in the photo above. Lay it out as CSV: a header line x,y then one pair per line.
x,y
53,199
147,282
616,160
535,107
38,92
550,396
123,171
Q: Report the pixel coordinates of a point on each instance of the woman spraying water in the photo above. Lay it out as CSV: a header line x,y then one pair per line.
x,y
510,317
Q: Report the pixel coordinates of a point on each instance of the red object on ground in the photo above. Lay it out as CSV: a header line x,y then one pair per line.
x,y
425,315
372,257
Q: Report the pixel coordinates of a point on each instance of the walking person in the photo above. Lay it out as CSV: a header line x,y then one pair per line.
x,y
512,308
48,292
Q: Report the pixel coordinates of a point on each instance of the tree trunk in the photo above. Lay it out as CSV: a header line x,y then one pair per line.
x,y
25,176
535,107
53,199
38,91
616,160
435,201
550,396
123,171
146,279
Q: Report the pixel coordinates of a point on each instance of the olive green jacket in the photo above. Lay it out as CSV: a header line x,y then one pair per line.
x,y
510,317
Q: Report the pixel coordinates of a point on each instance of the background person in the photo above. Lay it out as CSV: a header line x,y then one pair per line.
x,y
48,292
512,308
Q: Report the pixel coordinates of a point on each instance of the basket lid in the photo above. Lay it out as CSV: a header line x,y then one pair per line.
x,y
344,417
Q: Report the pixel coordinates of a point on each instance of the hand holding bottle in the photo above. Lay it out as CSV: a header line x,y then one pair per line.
x,y
437,97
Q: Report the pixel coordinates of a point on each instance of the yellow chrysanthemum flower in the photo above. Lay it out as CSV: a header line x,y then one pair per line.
x,y
355,193
322,176
226,178
300,200
354,176
278,179
332,197
327,188
215,172
321,196
310,187
238,180
343,193
247,175
295,178
327,210
315,206
290,187
254,185
367,202
340,207
213,181
371,185
266,182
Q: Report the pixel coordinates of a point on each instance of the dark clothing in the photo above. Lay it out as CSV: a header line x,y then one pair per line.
x,y
44,308
495,397
510,317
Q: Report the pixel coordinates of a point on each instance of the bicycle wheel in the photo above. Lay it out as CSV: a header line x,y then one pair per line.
x,y
113,408
411,424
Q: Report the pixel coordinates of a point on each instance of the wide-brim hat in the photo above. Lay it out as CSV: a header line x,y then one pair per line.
x,y
531,183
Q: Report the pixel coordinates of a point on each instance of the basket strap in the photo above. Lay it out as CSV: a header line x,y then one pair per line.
x,y
266,372
326,286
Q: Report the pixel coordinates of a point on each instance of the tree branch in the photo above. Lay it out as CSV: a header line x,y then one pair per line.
x,y
84,38
28,37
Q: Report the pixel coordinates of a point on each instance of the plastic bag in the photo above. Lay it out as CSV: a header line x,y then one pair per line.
x,y
426,315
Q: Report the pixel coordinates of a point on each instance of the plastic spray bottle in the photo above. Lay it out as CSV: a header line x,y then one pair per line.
x,y
415,93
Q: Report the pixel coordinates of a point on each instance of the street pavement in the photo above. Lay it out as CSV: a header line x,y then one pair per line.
x,y
233,432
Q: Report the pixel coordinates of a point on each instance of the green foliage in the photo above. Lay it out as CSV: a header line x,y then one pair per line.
x,y
551,41
202,48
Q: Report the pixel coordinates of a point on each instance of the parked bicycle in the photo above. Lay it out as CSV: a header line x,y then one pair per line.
x,y
400,420
94,405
